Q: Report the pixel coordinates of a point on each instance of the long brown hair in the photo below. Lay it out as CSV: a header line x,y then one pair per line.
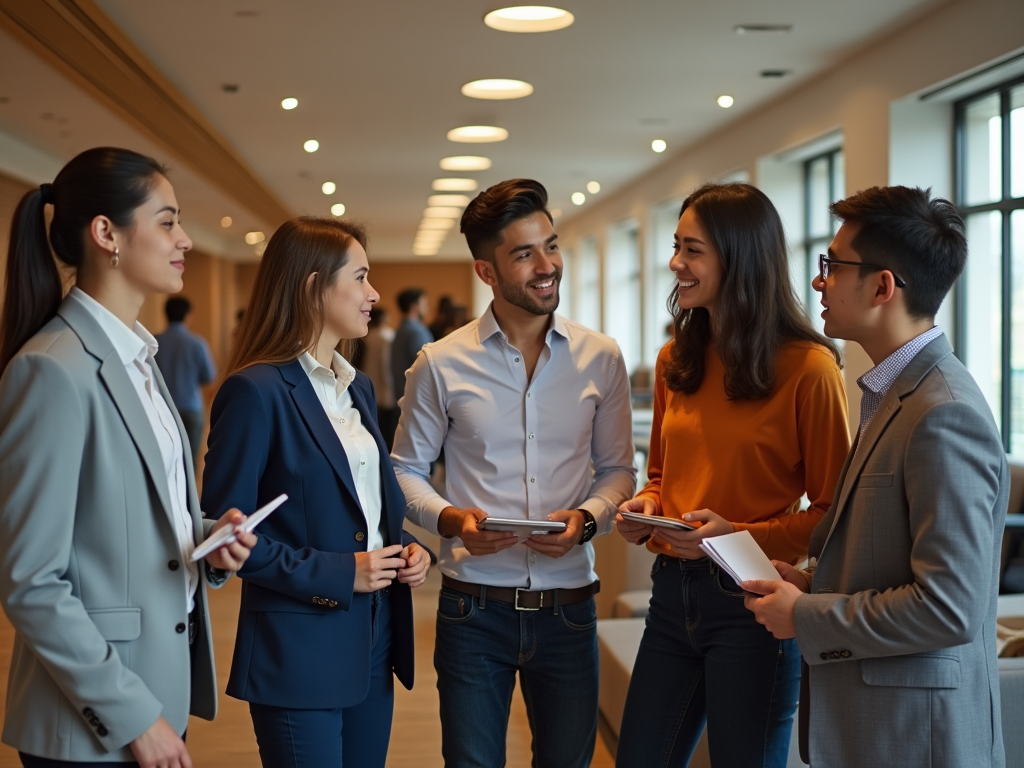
x,y
284,317
105,181
757,311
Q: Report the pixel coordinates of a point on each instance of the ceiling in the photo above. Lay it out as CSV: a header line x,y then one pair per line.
x,y
378,85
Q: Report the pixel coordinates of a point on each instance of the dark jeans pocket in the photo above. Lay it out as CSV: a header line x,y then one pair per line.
x,y
726,585
455,607
579,616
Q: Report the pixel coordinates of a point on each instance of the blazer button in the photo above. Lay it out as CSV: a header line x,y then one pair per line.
x,y
845,654
333,603
87,712
360,536
102,730
174,565
834,655
180,628
824,657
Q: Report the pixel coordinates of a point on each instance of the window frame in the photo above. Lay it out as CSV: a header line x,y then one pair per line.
x,y
1006,205
810,238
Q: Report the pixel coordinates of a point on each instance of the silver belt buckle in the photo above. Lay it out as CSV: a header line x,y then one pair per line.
x,y
519,607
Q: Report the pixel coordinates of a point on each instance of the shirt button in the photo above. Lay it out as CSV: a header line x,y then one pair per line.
x,y
180,628
529,394
533,479
362,463
531,435
517,359
360,536
174,565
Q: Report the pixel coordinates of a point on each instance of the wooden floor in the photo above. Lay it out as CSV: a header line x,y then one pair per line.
x,y
228,742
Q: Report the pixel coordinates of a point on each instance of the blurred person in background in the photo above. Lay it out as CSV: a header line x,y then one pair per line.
x,y
410,337
443,318
185,361
376,364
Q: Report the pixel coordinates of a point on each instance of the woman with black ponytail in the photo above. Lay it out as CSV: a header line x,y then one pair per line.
x,y
98,507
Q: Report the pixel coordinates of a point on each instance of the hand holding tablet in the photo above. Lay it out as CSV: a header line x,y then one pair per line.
x,y
521,527
658,521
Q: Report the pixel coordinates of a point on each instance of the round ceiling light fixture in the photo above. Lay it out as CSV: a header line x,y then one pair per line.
x,y
251,238
311,146
444,200
465,163
593,187
437,224
454,185
659,145
328,187
497,89
477,134
529,18
225,222
725,101
578,198
338,209
289,103
442,212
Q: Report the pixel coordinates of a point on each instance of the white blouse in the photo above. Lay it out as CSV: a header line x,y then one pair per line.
x,y
331,387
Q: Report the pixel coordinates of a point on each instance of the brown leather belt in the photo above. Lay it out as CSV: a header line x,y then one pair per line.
x,y
523,599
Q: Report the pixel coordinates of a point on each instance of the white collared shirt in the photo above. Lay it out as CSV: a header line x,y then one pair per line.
x,y
515,447
331,387
135,347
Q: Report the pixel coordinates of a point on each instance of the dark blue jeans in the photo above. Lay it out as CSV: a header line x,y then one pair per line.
x,y
703,657
481,645
353,737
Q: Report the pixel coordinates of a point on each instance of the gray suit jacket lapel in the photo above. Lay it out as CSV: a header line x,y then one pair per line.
x,y
925,360
123,393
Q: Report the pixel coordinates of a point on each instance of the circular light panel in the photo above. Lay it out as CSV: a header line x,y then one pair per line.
x,y
659,145
578,198
311,146
725,101
437,224
593,187
442,212
454,185
460,200
465,163
477,134
225,222
328,187
289,103
529,18
254,237
338,209
497,89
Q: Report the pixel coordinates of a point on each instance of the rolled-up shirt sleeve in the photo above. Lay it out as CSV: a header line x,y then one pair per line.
x,y
418,441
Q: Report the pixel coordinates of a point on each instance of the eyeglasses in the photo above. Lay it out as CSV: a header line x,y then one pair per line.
x,y
825,268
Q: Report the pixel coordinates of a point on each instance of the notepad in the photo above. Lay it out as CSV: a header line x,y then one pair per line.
x,y
740,556
226,535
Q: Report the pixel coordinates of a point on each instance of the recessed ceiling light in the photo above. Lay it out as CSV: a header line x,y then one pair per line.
x,y
465,163
497,89
254,237
289,103
442,212
328,187
477,134
529,18
419,250
437,223
659,145
725,101
338,209
225,222
593,187
752,29
456,200
455,185
776,72
578,198
311,146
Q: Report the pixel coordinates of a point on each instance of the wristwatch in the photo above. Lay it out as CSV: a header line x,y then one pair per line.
x,y
589,527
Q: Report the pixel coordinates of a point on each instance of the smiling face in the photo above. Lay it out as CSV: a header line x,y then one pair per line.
x,y
152,250
527,266
695,263
350,297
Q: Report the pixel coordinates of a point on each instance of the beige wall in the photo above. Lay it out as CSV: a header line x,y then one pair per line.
x,y
854,97
11,192
452,279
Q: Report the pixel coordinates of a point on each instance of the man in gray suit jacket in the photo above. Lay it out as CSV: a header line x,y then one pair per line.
x,y
896,623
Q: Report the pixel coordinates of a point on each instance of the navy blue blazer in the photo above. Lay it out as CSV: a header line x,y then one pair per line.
x,y
303,634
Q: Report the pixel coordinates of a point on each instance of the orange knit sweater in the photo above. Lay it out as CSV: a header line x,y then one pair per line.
x,y
752,461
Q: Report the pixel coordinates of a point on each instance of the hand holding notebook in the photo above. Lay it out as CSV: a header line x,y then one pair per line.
x,y
739,555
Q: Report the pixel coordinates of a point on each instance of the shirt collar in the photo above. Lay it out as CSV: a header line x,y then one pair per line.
x,y
488,325
880,379
130,343
341,370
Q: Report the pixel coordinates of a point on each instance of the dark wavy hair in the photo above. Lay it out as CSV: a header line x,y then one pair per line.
x,y
757,311
497,207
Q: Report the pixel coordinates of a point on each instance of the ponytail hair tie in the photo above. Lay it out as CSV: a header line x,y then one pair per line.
x,y
46,191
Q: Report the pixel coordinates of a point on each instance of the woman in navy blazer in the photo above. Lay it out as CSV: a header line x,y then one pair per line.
x,y
326,613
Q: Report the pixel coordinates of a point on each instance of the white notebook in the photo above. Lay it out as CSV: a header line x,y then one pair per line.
x,y
740,556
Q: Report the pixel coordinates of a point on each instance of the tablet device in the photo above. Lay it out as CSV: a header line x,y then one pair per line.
x,y
658,522
226,535
523,527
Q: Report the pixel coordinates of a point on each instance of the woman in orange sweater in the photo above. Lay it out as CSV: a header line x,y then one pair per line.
x,y
749,416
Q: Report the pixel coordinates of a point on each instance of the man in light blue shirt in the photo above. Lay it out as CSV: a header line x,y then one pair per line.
x,y
533,413
185,361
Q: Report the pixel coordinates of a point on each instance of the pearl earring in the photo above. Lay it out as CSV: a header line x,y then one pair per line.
x,y
115,259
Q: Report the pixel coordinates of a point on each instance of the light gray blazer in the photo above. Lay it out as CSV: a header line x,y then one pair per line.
x,y
899,628
90,571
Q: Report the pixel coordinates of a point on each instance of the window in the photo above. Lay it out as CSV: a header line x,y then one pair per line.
x,y
824,183
990,298
565,288
622,313
586,303
661,281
